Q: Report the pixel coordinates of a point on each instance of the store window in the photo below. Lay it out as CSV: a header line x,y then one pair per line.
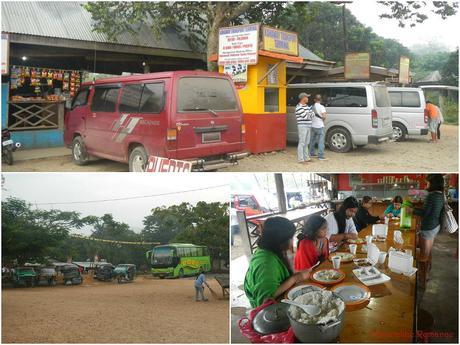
x,y
152,100
271,103
130,98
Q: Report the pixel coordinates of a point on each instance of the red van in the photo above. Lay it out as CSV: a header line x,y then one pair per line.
x,y
194,116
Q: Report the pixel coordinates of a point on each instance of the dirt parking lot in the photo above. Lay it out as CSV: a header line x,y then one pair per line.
x,y
145,311
415,154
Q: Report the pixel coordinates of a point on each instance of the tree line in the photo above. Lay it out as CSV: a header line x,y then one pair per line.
x,y
35,235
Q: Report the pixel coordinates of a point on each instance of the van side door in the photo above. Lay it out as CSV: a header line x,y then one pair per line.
x,y
101,119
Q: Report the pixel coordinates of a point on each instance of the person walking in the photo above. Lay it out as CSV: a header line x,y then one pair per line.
x,y
304,115
440,121
200,281
433,120
317,129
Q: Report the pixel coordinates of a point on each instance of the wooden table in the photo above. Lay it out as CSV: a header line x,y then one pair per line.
x,y
389,317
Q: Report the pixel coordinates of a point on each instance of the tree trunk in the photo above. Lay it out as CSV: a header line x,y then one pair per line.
x,y
213,47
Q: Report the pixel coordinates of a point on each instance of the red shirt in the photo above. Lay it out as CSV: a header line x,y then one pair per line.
x,y
307,254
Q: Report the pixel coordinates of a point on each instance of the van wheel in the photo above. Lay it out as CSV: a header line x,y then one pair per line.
x,y
399,131
339,140
79,154
138,159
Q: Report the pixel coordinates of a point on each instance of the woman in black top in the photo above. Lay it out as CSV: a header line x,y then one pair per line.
x,y
363,217
431,221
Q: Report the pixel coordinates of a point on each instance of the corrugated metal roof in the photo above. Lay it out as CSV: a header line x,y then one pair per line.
x,y
308,54
69,20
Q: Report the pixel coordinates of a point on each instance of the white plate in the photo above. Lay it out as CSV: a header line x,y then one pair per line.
x,y
316,274
351,293
292,293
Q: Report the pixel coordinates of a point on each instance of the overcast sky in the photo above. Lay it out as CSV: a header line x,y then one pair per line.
x,y
434,29
65,187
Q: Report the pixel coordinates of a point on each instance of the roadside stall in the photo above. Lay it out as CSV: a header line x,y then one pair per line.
x,y
369,287
255,56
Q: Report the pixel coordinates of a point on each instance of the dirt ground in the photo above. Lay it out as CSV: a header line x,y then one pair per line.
x,y
415,154
145,311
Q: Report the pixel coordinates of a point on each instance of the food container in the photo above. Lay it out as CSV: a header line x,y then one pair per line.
x,y
309,333
380,230
400,262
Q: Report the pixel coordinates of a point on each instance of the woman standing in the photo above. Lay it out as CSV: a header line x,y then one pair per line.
x,y
363,217
313,245
269,274
431,222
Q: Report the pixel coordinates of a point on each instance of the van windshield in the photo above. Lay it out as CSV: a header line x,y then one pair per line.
x,y
382,99
205,94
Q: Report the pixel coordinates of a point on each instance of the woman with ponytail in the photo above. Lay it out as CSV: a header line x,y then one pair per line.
x,y
313,245
270,274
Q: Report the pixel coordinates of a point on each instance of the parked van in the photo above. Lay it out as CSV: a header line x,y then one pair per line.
x,y
359,113
183,115
409,113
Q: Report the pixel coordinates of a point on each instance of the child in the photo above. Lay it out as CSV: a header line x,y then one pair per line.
x,y
199,287
394,209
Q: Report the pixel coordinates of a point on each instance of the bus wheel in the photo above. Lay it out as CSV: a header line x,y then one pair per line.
x,y
181,273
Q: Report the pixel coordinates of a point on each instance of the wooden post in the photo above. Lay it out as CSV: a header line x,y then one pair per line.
x,y
280,193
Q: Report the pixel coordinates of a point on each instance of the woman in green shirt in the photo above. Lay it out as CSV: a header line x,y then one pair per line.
x,y
269,274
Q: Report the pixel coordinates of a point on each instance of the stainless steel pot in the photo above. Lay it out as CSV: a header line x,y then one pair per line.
x,y
317,333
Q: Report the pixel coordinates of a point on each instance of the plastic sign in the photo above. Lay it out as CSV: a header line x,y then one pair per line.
x,y
239,73
280,41
357,66
5,53
404,70
162,164
239,45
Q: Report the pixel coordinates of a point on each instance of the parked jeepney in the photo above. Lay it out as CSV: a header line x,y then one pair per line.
x,y
125,273
104,272
24,276
46,275
71,274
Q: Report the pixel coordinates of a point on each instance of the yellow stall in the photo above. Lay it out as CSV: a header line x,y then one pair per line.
x,y
255,56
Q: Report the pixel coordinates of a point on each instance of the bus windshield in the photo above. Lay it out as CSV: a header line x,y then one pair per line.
x,y
163,255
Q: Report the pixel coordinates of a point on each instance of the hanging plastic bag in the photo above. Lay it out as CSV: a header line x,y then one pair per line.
x,y
246,329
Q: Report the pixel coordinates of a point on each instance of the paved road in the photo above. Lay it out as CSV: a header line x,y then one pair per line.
x,y
413,155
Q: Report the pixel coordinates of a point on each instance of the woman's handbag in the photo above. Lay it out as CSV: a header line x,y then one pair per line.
x,y
448,222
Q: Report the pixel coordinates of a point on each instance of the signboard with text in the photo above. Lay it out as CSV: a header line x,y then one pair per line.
x,y
404,70
280,41
5,53
357,66
162,164
239,45
239,73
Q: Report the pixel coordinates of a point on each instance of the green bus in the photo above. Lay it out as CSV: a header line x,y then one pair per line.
x,y
177,260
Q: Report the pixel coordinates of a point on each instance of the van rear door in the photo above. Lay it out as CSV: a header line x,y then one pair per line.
x,y
382,120
207,116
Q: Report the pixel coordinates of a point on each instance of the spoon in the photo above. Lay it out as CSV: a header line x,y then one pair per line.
x,y
312,310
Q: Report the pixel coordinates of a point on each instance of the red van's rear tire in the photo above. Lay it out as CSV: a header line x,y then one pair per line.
x,y
138,159
79,154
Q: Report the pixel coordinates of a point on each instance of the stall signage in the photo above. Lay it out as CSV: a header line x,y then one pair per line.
x,y
5,53
239,72
280,41
404,70
238,45
357,66
162,164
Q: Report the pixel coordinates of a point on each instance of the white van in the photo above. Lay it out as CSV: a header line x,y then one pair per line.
x,y
409,112
359,113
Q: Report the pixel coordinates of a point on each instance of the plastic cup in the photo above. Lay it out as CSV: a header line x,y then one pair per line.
x,y
336,262
387,219
408,251
369,239
353,248
382,257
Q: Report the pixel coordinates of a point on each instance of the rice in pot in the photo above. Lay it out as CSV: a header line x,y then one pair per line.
x,y
330,306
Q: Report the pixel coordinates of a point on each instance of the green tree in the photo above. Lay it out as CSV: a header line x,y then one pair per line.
x,y
449,70
31,234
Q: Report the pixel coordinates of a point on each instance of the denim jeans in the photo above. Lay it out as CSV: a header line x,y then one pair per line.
x,y
304,140
317,137
199,292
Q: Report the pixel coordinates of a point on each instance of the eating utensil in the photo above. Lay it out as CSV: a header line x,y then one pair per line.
x,y
312,310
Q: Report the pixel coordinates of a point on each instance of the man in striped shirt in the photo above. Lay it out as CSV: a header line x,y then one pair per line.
x,y
304,114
